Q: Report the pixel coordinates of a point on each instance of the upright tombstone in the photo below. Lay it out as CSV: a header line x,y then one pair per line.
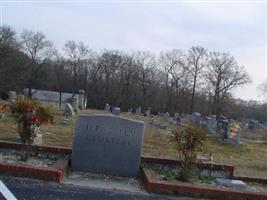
x,y
139,110
204,123
130,110
107,144
85,101
12,96
211,124
20,97
116,111
176,115
252,125
107,108
148,112
195,118
75,103
167,115
81,99
68,110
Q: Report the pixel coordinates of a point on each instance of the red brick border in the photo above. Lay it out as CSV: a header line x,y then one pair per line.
x,y
152,184
53,173
37,148
213,166
67,151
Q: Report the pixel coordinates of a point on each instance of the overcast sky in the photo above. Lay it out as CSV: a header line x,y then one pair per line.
x,y
238,28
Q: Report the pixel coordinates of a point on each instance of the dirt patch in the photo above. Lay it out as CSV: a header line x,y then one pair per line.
x,y
11,156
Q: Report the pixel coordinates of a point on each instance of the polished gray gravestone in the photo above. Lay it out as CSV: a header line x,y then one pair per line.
x,y
107,144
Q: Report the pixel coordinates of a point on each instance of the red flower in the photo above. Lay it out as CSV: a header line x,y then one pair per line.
x,y
34,118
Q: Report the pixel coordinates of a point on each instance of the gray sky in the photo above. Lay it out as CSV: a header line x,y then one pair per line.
x,y
238,28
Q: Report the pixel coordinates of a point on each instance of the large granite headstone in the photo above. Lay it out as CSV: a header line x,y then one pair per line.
x,y
107,144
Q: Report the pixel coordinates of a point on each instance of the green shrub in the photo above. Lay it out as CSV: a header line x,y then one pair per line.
x,y
190,141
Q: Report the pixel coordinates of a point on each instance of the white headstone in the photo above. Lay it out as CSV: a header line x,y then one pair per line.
x,y
68,110
116,111
12,96
107,108
75,103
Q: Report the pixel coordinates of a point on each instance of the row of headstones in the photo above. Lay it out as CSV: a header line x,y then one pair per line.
x,y
117,110
209,123
139,111
79,101
224,128
114,110
14,97
254,125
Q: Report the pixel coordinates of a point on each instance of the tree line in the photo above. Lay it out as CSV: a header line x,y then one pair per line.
x,y
186,81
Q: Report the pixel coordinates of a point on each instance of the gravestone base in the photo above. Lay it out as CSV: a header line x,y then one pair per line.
x,y
102,181
38,140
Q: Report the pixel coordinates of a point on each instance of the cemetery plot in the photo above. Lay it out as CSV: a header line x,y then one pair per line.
x,y
209,180
11,156
154,184
46,163
249,158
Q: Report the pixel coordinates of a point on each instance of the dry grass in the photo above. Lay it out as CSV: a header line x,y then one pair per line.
x,y
249,158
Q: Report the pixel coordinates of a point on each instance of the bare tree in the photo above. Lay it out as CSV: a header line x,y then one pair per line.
x,y
223,75
76,54
173,68
12,60
263,88
59,65
145,62
37,47
197,58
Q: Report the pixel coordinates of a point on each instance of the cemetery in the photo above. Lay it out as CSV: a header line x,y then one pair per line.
x,y
93,144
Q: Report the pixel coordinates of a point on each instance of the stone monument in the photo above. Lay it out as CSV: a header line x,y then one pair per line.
x,y
107,144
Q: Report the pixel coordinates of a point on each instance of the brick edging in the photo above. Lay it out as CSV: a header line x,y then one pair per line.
x,y
213,166
53,173
152,184
38,148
